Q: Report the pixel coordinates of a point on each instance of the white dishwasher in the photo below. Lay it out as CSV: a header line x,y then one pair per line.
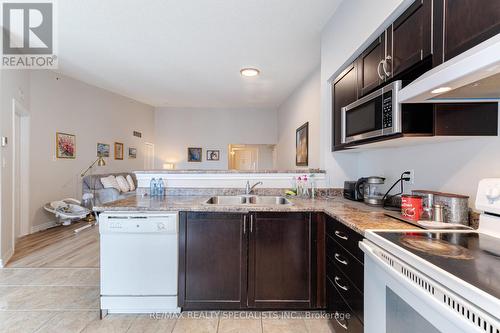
x,y
139,261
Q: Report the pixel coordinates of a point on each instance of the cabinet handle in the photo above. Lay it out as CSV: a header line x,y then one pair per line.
x,y
251,223
344,326
341,235
338,257
336,280
244,224
378,70
384,63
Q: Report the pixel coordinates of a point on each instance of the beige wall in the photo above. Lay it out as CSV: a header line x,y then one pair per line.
x,y
209,128
302,106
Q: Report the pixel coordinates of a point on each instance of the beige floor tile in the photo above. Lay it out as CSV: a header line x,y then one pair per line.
x,y
110,324
284,325
318,326
146,324
50,276
202,323
69,322
49,298
25,322
229,325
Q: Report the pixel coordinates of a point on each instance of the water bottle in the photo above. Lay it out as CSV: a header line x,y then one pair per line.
x,y
161,188
152,187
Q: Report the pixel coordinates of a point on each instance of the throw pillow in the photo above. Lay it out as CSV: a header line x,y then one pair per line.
x,y
110,182
122,182
131,184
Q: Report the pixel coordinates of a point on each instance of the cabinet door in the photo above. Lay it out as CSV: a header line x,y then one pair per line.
x,y
212,261
344,92
410,38
369,66
464,24
279,269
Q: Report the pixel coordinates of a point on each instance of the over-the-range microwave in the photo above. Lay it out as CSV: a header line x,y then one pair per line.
x,y
375,115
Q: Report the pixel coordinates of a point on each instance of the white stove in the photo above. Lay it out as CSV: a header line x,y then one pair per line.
x,y
436,281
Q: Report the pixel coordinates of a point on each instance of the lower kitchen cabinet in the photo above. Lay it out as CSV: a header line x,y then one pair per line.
x,y
279,266
212,261
247,261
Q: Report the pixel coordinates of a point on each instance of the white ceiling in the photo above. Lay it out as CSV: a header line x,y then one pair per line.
x,y
189,52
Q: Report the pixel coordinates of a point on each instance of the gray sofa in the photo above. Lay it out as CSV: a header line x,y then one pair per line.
x,y
104,195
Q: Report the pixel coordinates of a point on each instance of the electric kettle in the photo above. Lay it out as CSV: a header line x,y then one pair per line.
x,y
368,188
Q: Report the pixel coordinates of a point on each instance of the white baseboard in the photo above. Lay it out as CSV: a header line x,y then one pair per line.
x,y
5,259
43,226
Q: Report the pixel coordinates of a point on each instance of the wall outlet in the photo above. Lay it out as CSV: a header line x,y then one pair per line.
x,y
411,176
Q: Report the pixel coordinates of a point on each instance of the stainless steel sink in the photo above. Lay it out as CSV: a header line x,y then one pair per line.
x,y
248,200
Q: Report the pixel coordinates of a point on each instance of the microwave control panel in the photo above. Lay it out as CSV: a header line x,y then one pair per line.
x,y
387,109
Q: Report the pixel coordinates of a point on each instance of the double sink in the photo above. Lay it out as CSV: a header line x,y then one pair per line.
x,y
255,200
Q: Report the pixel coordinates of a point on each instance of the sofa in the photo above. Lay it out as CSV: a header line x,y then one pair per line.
x,y
103,195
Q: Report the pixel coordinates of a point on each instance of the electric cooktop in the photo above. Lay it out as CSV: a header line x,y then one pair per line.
x,y
471,256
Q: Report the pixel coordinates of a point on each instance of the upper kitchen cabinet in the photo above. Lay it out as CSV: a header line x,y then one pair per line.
x,y
369,66
461,24
409,39
344,92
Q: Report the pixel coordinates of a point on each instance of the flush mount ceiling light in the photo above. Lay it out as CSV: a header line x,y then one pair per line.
x,y
249,72
441,90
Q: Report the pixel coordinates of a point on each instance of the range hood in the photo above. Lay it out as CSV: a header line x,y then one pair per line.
x,y
473,76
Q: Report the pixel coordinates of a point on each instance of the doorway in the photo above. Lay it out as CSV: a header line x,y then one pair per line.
x,y
20,171
251,157
149,156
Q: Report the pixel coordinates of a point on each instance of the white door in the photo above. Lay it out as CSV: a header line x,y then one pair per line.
x,y
243,160
149,156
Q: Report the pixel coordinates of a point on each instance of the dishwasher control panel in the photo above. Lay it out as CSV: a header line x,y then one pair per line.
x,y
131,222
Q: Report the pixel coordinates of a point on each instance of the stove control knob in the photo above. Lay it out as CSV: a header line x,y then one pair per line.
x,y
161,226
493,194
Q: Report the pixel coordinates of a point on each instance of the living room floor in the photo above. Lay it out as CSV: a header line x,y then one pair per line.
x,y
51,285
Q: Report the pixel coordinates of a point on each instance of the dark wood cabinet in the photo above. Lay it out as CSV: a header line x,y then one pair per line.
x,y
409,39
279,267
344,92
245,261
212,261
462,24
369,66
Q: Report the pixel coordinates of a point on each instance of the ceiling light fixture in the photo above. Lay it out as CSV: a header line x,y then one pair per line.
x,y
441,90
249,72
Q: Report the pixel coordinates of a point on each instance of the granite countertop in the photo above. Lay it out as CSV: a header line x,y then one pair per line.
x,y
355,215
298,171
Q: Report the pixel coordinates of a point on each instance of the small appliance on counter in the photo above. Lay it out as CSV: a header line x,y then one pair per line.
x,y
350,191
368,188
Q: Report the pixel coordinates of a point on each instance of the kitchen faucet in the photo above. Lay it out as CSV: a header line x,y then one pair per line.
x,y
249,189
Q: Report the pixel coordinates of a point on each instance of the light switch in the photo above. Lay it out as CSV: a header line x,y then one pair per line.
x,y
4,141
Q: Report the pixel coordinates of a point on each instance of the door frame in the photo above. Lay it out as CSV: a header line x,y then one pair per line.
x,y
19,110
145,157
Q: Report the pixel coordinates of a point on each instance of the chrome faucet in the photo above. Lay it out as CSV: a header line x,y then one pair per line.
x,y
249,189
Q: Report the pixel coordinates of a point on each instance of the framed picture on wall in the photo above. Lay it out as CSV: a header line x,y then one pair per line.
x,y
213,155
194,154
65,145
302,145
102,150
132,152
118,151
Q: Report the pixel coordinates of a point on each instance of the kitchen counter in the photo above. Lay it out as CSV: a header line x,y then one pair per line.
x,y
355,215
204,171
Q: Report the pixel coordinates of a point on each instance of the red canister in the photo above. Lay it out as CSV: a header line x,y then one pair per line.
x,y
411,206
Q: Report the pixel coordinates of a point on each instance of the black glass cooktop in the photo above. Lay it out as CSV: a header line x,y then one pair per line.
x,y
472,257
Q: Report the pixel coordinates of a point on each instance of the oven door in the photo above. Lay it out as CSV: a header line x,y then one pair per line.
x,y
394,302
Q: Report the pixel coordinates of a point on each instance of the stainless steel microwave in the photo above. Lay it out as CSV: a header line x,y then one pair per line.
x,y
374,115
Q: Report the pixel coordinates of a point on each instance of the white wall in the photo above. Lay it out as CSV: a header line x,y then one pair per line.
x,y
62,104
302,106
14,84
180,128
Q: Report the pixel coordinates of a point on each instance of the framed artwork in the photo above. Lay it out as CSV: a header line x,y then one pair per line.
x,y
65,145
118,151
194,154
302,145
213,155
132,152
102,150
